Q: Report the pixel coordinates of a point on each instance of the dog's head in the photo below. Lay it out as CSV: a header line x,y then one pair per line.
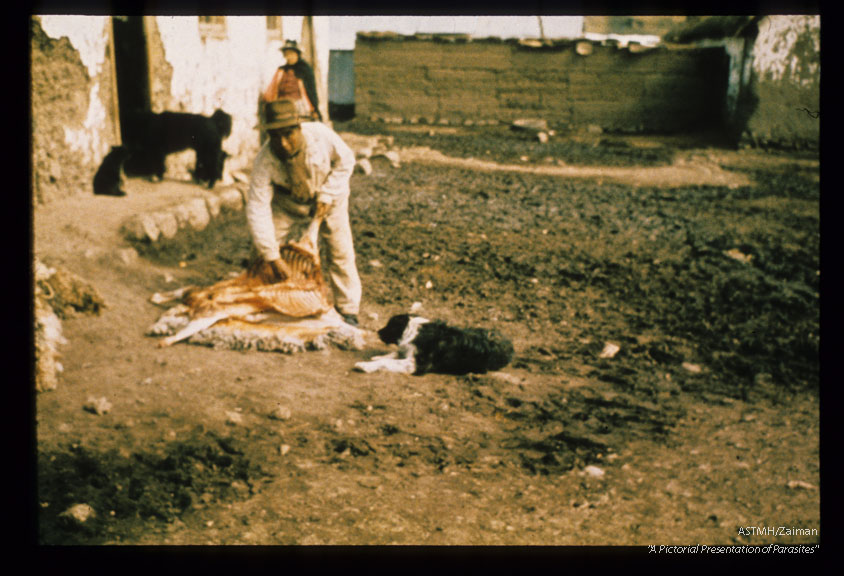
x,y
395,327
223,122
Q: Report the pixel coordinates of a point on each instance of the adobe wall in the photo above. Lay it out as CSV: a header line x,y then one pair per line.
x,y
74,102
652,25
786,82
198,73
71,95
658,90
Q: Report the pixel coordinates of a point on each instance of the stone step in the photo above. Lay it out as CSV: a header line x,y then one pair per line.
x,y
194,214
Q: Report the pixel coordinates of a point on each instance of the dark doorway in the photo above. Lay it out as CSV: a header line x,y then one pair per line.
x,y
132,70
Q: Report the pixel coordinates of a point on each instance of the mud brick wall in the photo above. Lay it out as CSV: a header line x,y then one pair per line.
x,y
659,90
786,83
70,96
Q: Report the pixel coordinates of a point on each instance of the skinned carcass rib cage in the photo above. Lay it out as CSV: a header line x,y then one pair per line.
x,y
302,294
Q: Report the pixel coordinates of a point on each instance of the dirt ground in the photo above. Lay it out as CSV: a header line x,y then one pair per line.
x,y
703,428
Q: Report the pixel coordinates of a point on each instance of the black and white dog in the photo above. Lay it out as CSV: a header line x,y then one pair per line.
x,y
435,346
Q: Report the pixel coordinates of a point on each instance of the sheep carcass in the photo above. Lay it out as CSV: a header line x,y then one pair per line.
x,y
302,294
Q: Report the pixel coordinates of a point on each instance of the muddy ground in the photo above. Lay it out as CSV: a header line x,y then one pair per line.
x,y
703,424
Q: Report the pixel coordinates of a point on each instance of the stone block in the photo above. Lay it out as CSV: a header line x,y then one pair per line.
x,y
363,166
167,224
128,256
231,199
181,214
197,210
213,204
390,156
141,227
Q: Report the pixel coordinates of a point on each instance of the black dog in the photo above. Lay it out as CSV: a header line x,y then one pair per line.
x,y
152,137
434,346
210,173
109,177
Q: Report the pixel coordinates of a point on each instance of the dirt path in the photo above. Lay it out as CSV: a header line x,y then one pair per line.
x,y
696,170
560,448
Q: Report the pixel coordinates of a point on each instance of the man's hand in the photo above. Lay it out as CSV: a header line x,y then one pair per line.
x,y
321,210
281,269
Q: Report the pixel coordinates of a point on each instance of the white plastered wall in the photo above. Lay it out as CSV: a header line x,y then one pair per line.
x,y
216,73
774,57
230,72
89,36
786,68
